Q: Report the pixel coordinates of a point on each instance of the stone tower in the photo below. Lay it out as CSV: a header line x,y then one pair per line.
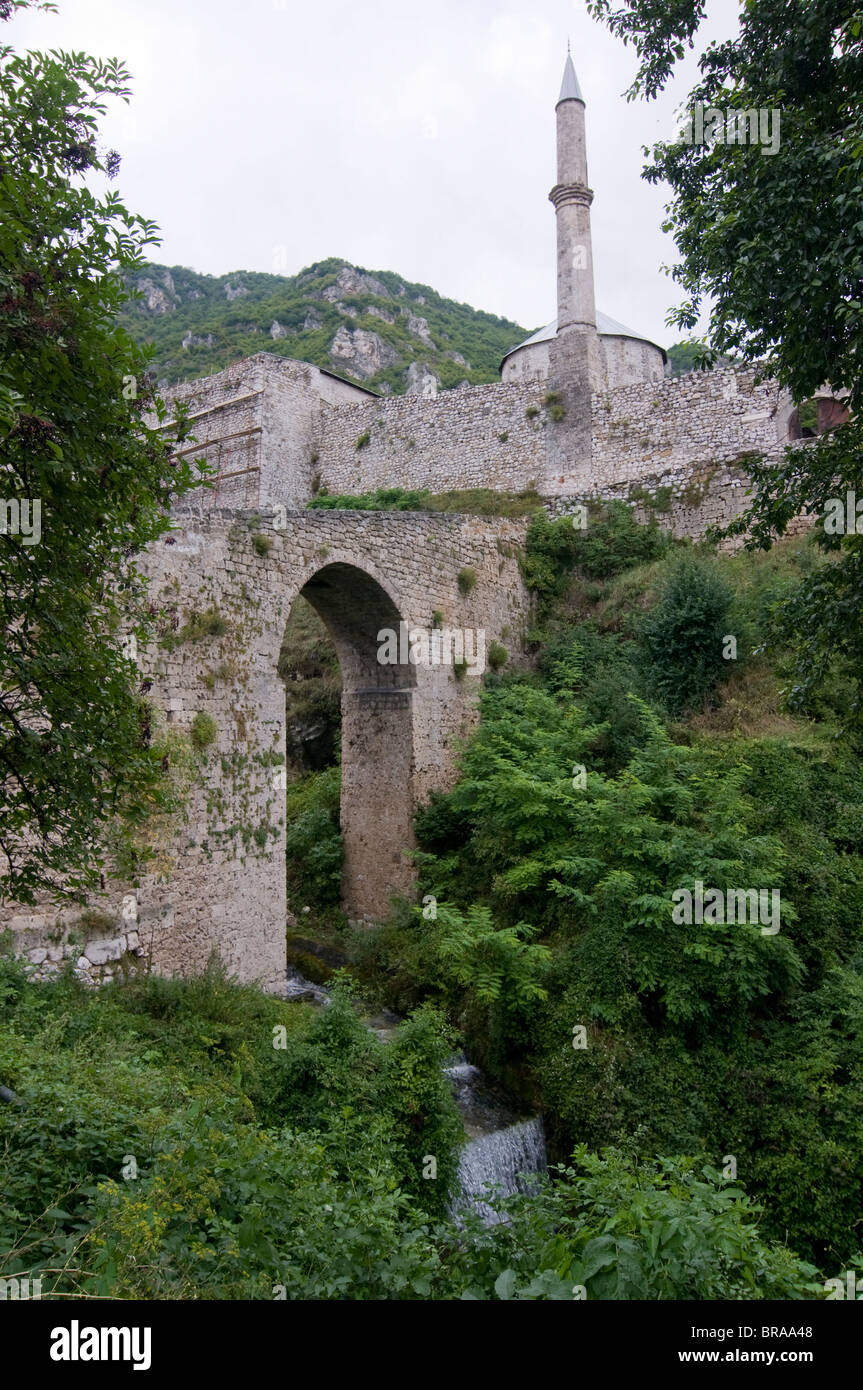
x,y
575,360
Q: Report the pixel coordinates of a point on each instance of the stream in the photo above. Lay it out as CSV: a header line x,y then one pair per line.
x,y
503,1149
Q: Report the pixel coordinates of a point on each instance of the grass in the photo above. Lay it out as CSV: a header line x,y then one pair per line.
x,y
475,501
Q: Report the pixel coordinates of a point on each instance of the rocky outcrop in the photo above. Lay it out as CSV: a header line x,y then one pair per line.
x,y
361,353
159,298
193,340
420,329
354,282
421,381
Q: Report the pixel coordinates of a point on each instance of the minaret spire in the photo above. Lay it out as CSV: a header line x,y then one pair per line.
x,y
572,198
575,361
569,88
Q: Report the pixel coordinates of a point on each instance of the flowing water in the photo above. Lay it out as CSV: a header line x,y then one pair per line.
x,y
504,1150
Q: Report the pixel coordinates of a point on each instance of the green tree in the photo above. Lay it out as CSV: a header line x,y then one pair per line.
x,y
87,482
772,243
682,638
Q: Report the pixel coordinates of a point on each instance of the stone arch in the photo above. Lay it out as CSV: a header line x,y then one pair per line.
x,y
218,883
377,799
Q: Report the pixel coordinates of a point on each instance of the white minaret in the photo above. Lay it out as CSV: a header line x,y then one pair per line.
x,y
576,307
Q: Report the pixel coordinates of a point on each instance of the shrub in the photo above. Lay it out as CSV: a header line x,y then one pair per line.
x,y
613,541
466,580
477,501
626,1230
313,840
497,655
682,638
210,623
263,544
203,731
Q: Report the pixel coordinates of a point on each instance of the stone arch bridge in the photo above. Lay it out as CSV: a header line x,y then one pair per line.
x,y
220,879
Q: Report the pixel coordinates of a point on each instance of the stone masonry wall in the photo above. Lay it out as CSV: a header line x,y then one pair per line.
x,y
279,430
217,883
681,426
480,436
688,437
677,449
258,425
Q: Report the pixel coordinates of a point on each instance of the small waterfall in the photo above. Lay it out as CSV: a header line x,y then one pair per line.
x,y
298,987
504,1160
503,1151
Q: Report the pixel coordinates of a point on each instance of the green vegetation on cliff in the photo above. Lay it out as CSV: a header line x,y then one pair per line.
x,y
369,327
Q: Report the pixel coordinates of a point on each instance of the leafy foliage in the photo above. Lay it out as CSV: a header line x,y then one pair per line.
x,y
309,666
191,1158
313,841
683,636
611,542
702,1039
479,500
623,1229
73,442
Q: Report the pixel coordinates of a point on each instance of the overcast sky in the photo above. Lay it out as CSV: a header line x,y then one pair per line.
x,y
404,136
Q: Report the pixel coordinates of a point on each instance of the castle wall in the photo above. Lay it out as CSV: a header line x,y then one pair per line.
x,y
677,450
480,436
687,436
258,425
678,433
278,430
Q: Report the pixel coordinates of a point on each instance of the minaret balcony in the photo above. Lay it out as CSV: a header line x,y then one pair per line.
x,y
564,193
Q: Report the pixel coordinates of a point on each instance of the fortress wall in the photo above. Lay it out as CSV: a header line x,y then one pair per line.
x,y
258,424
711,497
226,431
675,428
677,449
475,437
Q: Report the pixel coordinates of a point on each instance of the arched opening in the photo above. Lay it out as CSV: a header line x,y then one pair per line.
x,y
332,641
821,414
